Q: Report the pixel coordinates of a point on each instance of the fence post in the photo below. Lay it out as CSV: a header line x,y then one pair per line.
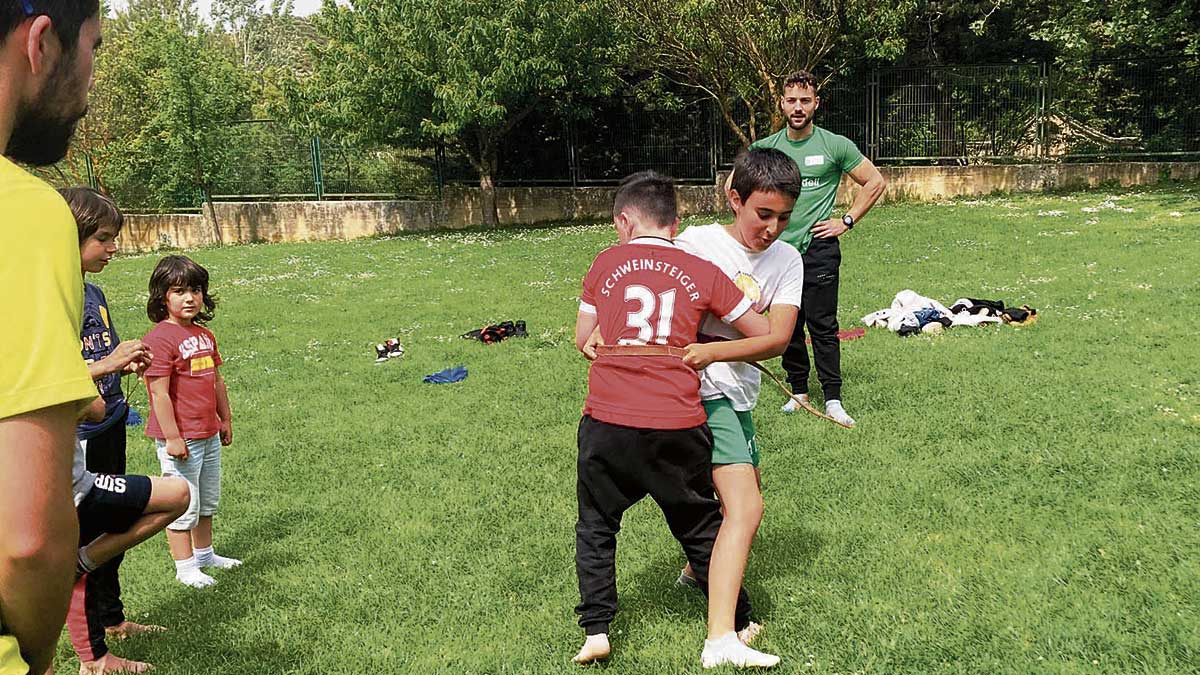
x,y
318,170
714,139
91,172
1043,106
873,117
572,153
439,162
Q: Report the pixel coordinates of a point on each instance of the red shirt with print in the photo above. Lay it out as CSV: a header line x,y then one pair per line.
x,y
650,292
189,356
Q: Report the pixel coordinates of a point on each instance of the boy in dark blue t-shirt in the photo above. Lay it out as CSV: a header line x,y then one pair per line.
x,y
119,510
100,342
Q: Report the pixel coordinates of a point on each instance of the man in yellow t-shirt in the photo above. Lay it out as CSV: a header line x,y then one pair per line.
x,y
46,51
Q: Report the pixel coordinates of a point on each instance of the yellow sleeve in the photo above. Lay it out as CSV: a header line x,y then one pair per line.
x,y
11,662
41,298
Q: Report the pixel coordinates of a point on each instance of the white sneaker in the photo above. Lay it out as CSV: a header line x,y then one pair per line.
x,y
728,649
793,405
834,409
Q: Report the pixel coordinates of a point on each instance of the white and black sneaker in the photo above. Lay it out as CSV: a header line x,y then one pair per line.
x,y
394,349
381,353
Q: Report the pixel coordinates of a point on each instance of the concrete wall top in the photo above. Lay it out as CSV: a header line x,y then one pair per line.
x,y
460,206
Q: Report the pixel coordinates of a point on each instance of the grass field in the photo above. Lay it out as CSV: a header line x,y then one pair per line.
x,y
1013,500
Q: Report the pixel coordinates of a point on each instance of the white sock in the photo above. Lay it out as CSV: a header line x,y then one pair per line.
x,y
206,558
833,408
793,405
729,649
188,573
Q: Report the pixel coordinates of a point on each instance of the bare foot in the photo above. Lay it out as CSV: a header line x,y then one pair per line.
x,y
111,663
751,631
595,648
128,629
687,577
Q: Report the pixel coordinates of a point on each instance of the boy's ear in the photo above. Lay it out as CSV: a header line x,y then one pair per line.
x,y
623,226
729,189
735,200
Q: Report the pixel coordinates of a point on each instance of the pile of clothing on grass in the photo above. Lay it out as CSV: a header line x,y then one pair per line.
x,y
497,332
912,313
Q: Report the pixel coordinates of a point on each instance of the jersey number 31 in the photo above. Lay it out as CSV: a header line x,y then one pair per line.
x,y
648,304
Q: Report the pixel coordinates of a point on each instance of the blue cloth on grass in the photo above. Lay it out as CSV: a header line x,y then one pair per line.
x,y
134,418
455,374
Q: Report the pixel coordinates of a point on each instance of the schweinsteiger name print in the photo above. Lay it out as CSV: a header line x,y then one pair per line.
x,y
650,265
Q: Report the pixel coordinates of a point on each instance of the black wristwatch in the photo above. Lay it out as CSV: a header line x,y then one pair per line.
x,y
848,221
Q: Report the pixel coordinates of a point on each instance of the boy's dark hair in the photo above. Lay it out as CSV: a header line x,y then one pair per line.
x,y
651,193
800,78
765,170
178,270
66,16
91,210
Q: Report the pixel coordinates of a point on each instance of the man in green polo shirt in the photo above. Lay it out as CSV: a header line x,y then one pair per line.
x,y
823,157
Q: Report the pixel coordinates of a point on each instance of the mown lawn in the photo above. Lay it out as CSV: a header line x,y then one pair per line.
x,y
1013,500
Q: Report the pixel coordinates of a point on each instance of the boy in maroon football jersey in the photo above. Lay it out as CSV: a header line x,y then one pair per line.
x,y
643,430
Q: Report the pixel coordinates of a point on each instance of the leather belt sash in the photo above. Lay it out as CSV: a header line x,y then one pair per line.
x,y
640,350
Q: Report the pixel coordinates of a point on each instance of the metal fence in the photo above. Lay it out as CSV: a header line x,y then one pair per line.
x,y
959,114
611,140
933,115
270,162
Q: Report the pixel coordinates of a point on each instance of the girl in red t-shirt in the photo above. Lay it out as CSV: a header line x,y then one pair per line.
x,y
189,408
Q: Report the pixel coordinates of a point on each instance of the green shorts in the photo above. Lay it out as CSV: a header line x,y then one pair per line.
x,y
733,433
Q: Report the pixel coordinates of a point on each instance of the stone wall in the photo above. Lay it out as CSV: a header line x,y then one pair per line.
x,y
246,222
146,233
933,183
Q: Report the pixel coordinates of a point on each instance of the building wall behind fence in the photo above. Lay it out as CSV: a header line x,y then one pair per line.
x,y
460,207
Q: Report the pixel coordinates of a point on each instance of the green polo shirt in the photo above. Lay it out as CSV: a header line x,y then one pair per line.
x,y
822,157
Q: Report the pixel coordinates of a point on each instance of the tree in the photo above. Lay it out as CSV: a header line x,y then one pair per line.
x,y
1122,72
737,51
460,72
164,94
1070,31
268,43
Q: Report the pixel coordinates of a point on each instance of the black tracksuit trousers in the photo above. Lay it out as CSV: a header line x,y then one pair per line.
x,y
106,454
617,467
818,312
96,597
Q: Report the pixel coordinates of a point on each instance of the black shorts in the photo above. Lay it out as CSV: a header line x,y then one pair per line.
x,y
114,504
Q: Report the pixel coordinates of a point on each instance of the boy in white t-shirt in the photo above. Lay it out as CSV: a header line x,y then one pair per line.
x,y
762,192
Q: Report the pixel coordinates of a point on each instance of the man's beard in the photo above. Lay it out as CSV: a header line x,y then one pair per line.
x,y
792,122
42,131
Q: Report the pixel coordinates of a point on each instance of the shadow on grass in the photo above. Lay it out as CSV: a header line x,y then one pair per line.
x,y
652,593
203,620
